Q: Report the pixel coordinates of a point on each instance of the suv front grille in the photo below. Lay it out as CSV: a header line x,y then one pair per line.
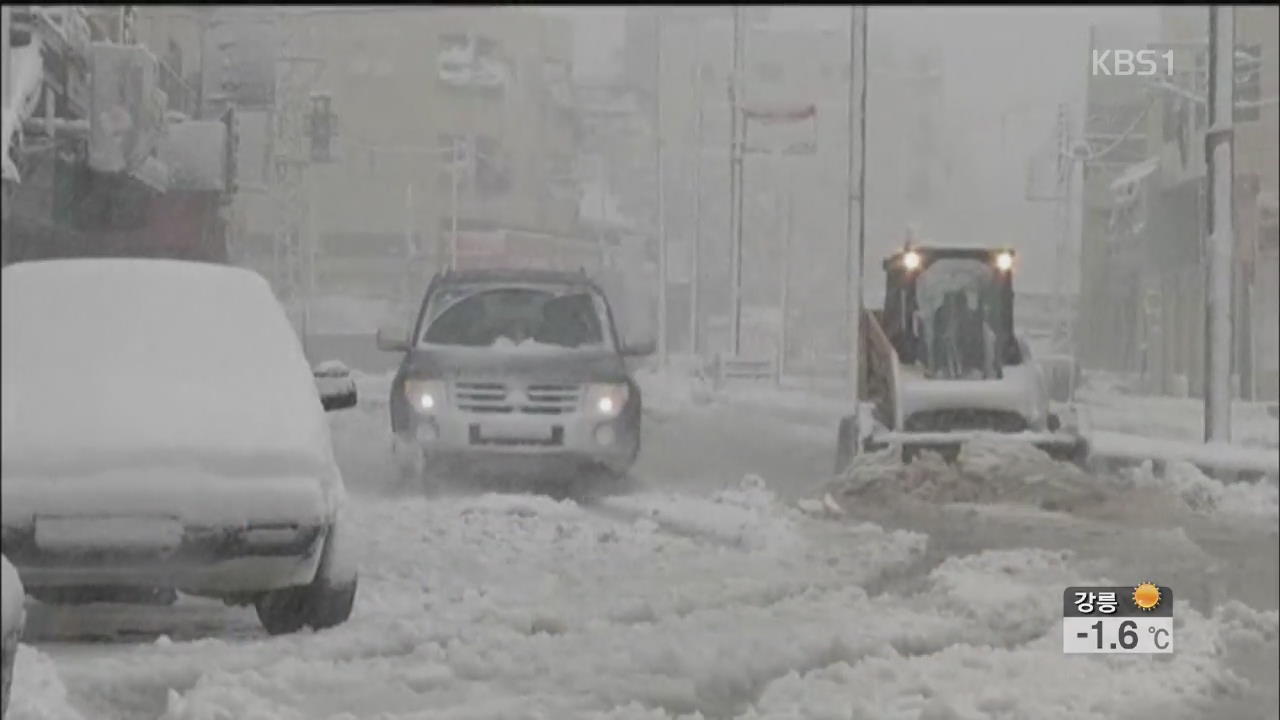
x,y
481,397
498,397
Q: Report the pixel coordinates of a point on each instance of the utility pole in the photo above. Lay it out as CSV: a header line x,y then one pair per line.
x,y
5,54
1220,233
696,271
784,205
862,166
854,244
735,186
454,170
1066,169
289,187
662,210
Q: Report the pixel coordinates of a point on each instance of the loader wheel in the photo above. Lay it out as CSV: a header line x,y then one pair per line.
x,y
846,441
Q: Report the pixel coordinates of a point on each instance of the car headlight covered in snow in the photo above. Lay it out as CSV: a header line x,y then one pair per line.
x,y
424,396
608,399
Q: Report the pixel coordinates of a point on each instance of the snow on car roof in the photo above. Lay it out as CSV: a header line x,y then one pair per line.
x,y
111,363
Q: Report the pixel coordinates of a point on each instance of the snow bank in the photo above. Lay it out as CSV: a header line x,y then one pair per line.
x,y
508,606
136,359
1202,493
1005,659
746,516
1218,456
1034,681
38,692
984,471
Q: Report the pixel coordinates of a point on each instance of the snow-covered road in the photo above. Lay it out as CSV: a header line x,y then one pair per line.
x,y
701,590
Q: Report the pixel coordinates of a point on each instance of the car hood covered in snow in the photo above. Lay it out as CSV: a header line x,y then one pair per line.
x,y
542,364
117,364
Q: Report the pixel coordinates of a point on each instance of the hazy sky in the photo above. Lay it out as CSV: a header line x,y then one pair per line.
x,y
1006,69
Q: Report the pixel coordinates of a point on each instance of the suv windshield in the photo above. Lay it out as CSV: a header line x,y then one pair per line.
x,y
517,316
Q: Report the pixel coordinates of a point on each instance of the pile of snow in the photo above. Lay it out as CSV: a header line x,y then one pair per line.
x,y
984,472
1204,494
746,516
38,692
1005,659
153,361
521,606
1218,456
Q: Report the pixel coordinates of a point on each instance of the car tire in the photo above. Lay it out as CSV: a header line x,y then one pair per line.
x,y
318,605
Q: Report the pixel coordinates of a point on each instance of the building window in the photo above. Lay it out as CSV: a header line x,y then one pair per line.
x,y
769,71
472,61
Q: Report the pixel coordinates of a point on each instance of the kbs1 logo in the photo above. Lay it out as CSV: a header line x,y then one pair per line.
x,y
1127,63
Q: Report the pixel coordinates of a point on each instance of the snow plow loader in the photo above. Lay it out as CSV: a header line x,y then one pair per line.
x,y
941,364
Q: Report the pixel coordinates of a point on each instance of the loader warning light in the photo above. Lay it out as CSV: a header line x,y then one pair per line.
x,y
911,260
1004,261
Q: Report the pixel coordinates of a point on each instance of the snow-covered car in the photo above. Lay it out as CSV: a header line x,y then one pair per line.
x,y
514,372
11,622
162,432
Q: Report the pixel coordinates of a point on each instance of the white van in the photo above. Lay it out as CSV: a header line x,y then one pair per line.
x,y
162,432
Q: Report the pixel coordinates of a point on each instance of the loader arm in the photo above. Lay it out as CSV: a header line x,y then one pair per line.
x,y
881,369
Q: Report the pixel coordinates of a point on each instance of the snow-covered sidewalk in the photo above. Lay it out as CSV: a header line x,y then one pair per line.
x,y
1167,429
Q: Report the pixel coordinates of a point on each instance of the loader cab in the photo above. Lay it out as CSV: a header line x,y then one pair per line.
x,y
949,311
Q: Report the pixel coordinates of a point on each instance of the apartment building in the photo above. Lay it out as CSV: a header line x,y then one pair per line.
x,y
477,96
445,117
1145,222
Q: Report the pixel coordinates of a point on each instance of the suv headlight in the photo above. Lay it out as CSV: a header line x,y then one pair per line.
x,y
424,396
607,400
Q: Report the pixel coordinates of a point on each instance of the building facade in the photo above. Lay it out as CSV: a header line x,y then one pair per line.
x,y
444,118
1145,223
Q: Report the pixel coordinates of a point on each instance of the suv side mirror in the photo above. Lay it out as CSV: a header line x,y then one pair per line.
x,y
391,339
336,386
642,348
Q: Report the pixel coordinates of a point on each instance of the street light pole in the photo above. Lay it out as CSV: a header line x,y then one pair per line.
x,y
735,182
662,210
852,321
1221,235
453,207
696,270
862,167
